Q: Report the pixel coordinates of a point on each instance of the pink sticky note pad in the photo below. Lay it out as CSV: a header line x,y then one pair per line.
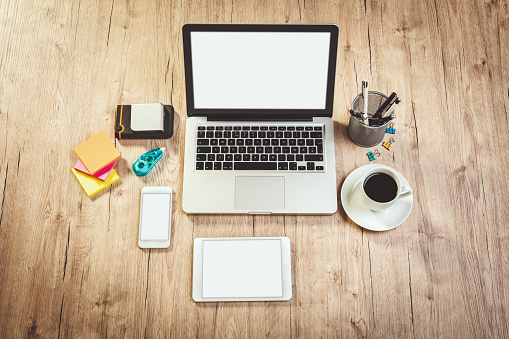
x,y
102,174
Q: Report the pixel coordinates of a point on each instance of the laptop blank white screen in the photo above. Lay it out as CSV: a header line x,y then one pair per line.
x,y
260,70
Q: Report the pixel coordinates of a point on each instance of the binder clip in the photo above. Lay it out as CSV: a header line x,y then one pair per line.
x,y
388,144
372,155
390,129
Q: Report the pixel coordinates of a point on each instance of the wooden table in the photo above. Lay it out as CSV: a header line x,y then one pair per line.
x,y
70,265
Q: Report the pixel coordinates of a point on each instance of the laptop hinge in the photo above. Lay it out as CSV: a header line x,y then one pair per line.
x,y
258,118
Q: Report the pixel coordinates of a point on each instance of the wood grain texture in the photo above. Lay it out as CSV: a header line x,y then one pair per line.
x,y
70,266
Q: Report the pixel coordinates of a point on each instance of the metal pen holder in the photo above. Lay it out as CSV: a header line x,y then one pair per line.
x,y
361,134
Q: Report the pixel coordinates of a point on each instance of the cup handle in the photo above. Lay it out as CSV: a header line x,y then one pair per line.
x,y
405,191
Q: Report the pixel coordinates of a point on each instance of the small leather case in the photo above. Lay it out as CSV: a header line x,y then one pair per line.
x,y
123,125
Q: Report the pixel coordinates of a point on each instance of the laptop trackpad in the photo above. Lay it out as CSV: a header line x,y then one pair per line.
x,y
260,194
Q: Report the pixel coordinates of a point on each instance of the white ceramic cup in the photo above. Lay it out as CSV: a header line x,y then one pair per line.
x,y
403,191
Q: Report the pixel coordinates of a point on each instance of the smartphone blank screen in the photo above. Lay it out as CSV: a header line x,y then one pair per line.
x,y
155,216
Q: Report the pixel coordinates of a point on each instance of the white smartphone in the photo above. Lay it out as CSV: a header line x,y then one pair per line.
x,y
155,217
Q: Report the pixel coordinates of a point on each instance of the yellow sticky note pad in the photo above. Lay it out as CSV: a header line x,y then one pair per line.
x,y
93,185
97,152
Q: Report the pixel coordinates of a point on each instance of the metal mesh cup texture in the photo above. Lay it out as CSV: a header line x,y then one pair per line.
x,y
361,134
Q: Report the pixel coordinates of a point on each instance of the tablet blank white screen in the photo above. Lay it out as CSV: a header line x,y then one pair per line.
x,y
242,268
155,217
260,70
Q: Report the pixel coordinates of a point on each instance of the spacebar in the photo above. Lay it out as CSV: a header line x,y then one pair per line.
x,y
255,166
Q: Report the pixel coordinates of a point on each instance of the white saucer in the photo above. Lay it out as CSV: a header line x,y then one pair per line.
x,y
363,216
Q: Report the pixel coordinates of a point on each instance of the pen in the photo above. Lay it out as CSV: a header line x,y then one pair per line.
x,y
357,114
365,97
391,108
380,122
385,105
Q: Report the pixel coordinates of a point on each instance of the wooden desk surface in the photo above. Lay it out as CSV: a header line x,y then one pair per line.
x,y
70,265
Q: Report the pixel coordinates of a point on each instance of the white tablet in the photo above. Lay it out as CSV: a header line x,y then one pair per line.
x,y
242,269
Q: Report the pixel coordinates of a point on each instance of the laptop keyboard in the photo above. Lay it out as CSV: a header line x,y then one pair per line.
x,y
271,148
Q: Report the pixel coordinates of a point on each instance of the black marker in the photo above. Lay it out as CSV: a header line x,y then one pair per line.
x,y
392,108
380,122
385,105
358,115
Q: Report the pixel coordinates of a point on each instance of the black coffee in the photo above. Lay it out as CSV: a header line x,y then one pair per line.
x,y
380,187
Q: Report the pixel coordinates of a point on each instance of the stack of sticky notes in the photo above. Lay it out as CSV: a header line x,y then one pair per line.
x,y
94,169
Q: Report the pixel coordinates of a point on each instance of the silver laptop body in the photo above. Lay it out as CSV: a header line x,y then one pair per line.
x,y
259,134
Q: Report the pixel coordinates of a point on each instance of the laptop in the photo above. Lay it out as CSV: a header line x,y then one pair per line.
x,y
259,134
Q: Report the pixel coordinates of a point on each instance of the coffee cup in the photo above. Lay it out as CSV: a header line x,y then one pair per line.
x,y
381,187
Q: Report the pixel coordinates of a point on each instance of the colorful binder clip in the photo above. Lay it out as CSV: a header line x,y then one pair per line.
x,y
390,129
388,144
373,155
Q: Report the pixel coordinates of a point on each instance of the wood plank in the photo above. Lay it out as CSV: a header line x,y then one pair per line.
x,y
70,265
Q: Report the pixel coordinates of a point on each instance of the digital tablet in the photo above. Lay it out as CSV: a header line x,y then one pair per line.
x,y
242,269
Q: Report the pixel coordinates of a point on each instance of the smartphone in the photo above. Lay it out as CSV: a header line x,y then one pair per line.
x,y
155,217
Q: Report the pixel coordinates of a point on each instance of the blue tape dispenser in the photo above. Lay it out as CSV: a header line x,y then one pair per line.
x,y
144,164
